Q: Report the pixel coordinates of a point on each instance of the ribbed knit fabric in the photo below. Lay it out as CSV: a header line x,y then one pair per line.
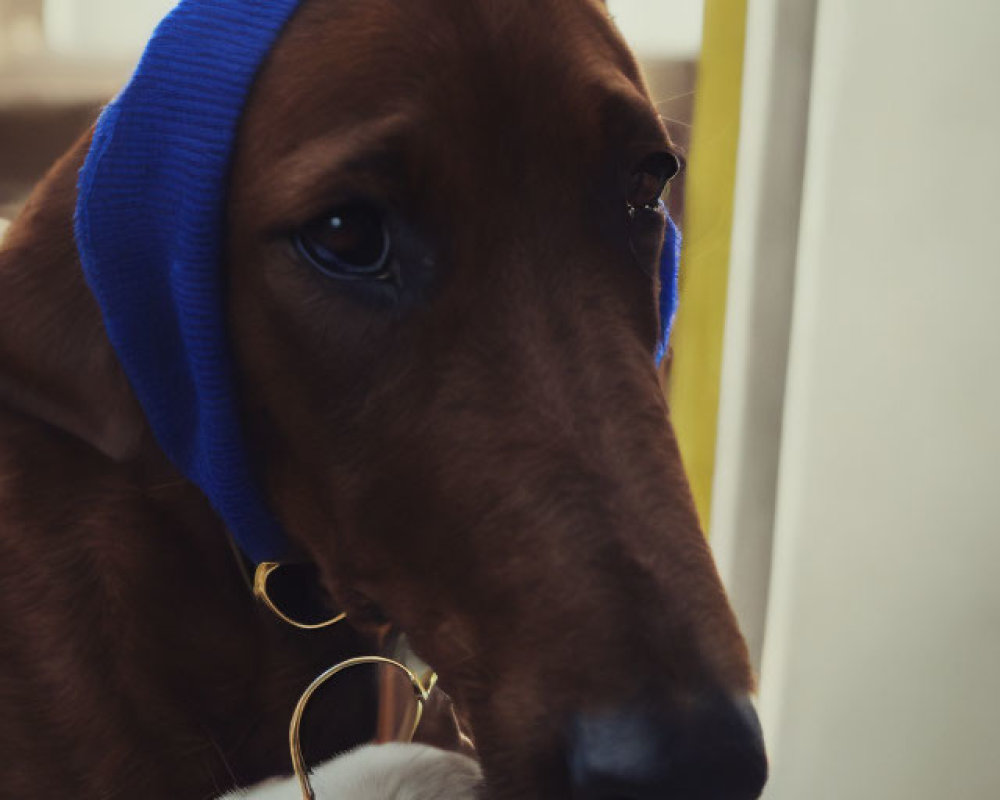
x,y
150,229
669,289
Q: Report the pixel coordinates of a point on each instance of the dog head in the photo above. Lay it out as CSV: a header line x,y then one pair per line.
x,y
444,233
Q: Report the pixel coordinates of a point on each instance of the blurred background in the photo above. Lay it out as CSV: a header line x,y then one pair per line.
x,y
60,60
835,380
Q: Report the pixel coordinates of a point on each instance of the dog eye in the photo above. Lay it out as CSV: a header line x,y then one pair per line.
x,y
350,243
650,179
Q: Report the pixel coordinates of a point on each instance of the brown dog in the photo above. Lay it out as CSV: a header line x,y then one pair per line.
x,y
481,454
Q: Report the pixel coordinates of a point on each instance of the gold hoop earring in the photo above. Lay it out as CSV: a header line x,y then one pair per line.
x,y
261,577
420,694
421,677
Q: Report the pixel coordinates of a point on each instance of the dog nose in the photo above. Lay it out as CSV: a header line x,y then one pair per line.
x,y
708,750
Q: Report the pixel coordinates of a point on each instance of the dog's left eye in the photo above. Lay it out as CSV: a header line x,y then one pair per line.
x,y
349,243
650,178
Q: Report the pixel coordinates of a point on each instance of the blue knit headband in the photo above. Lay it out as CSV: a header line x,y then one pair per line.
x,y
150,228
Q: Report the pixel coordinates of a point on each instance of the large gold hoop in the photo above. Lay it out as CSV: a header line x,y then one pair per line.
x,y
420,694
264,571
422,678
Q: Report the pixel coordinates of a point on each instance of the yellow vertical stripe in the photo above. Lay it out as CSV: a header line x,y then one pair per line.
x,y
697,364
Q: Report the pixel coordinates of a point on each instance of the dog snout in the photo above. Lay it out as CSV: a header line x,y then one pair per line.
x,y
710,749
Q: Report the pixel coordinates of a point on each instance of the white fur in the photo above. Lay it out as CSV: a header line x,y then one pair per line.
x,y
382,772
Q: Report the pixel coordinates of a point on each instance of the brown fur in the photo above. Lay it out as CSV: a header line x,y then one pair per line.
x,y
487,457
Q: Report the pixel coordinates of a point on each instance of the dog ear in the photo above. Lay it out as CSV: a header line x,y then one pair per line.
x,y
56,363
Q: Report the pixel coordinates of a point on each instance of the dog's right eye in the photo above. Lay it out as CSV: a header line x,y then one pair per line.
x,y
350,243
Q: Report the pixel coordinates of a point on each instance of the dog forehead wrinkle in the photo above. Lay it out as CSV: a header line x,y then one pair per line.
x,y
490,72
294,186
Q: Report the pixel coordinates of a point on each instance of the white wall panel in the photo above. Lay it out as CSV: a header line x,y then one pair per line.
x,y
883,638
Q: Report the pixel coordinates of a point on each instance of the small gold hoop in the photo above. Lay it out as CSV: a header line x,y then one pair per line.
x,y
420,694
260,577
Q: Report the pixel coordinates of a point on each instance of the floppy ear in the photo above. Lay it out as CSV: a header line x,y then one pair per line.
x,y
56,363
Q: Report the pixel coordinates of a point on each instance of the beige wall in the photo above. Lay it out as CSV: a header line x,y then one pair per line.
x,y
105,28
771,165
661,29
881,649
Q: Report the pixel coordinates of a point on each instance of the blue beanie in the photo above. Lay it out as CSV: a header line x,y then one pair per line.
x,y
150,228
669,288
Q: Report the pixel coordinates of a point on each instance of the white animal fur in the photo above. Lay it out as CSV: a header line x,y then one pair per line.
x,y
382,772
